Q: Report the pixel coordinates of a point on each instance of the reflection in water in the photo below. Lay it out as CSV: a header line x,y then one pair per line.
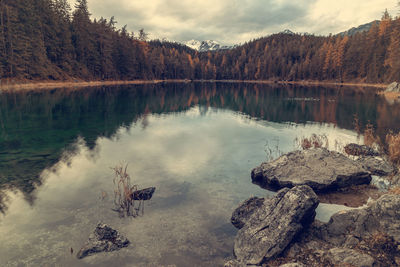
x,y
195,142
199,163
36,127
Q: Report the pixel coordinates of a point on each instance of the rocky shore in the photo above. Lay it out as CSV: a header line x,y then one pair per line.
x,y
282,231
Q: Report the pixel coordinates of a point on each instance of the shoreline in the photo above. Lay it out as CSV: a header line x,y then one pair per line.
x,y
31,85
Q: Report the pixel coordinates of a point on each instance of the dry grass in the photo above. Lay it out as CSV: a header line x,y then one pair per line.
x,y
6,85
393,143
394,190
272,151
123,190
314,141
29,86
356,124
370,139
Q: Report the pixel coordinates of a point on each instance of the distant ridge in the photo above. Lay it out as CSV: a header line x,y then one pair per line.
x,y
362,28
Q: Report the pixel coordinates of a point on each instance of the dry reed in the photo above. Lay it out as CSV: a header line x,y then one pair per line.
x,y
314,141
393,143
123,190
370,139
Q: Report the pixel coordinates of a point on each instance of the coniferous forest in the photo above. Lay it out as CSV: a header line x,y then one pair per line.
x,y
49,40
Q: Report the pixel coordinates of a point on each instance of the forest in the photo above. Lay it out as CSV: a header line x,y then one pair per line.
x,y
49,40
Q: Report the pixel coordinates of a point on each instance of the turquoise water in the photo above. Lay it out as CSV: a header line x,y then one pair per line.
x,y
196,143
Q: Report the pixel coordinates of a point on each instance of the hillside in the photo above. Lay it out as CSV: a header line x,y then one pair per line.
x,y
44,40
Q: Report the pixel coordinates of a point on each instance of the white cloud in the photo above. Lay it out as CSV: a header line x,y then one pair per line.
x,y
238,21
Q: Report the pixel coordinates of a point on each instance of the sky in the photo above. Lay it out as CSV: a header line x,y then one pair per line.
x,y
237,21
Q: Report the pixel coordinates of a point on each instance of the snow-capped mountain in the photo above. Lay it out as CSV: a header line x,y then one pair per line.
x,y
287,31
203,46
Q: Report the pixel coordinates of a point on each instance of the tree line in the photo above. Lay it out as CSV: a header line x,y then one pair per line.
x,y
46,40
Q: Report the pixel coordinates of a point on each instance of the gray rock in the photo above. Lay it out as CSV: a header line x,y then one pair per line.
x,y
293,264
393,87
394,180
233,263
143,194
386,210
360,150
351,242
242,213
271,228
104,238
318,168
236,263
376,165
381,215
368,236
349,257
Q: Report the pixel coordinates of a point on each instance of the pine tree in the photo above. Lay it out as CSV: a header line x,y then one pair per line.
x,y
392,60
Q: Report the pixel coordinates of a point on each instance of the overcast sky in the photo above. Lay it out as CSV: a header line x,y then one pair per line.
x,y
237,21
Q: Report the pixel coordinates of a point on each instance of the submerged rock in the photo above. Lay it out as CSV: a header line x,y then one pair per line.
x,y
143,194
242,213
272,226
103,239
318,168
360,150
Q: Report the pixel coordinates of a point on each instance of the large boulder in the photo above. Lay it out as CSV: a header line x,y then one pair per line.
x,y
318,168
272,227
103,239
243,213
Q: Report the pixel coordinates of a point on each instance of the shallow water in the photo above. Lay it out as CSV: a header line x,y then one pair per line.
x,y
196,145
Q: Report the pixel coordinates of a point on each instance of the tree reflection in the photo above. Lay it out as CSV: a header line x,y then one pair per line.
x,y
36,127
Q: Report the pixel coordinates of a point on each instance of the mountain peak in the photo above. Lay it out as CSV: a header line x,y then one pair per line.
x,y
207,45
287,31
362,28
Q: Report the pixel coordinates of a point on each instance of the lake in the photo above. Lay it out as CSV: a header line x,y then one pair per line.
x,y
195,142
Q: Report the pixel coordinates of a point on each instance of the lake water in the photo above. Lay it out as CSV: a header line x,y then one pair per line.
x,y
196,143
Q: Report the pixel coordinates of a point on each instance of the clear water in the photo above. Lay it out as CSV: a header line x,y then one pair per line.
x,y
196,143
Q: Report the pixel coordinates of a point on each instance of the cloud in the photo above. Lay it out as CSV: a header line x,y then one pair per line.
x,y
237,21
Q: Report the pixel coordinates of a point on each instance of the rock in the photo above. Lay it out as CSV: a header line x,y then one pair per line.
x,y
394,180
393,87
143,194
318,168
293,264
381,215
368,236
271,227
376,165
360,150
349,257
232,263
386,210
242,213
104,238
236,263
